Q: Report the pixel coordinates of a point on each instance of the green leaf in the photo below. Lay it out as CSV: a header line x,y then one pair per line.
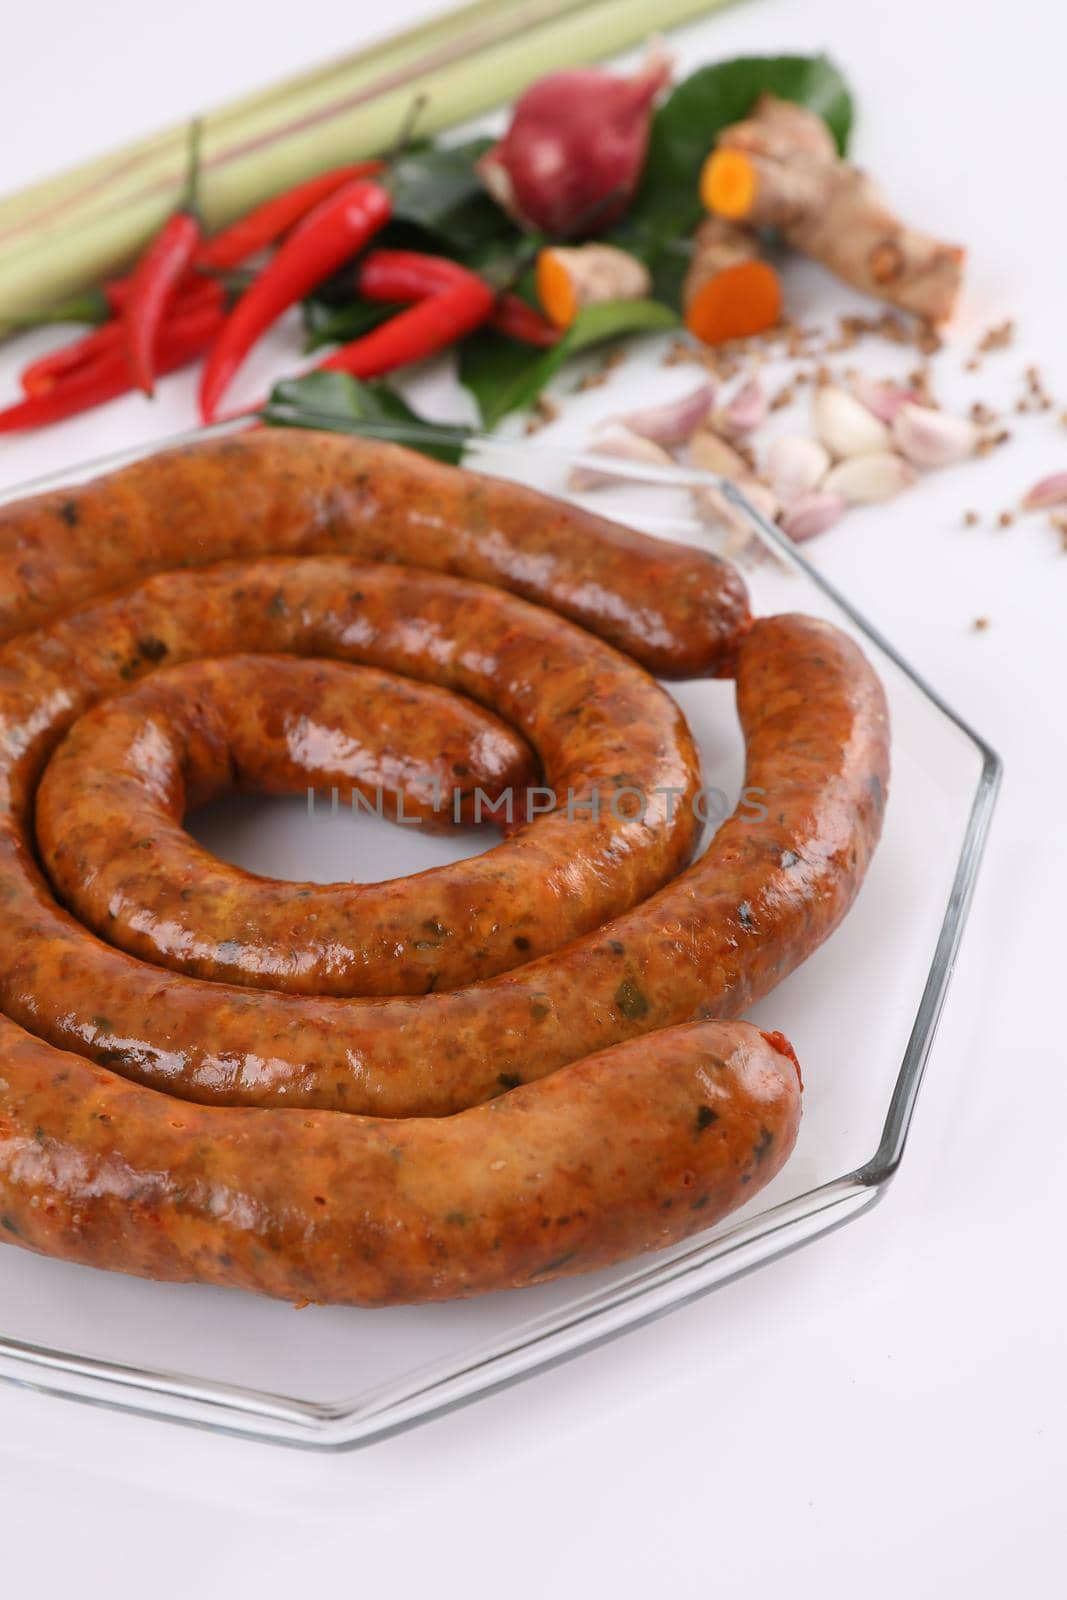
x,y
338,403
327,324
430,180
503,376
437,190
687,124
440,207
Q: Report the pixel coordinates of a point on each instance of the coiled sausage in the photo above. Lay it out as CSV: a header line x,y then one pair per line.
x,y
588,1100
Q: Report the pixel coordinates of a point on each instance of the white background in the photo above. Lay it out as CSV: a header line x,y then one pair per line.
x,y
885,1410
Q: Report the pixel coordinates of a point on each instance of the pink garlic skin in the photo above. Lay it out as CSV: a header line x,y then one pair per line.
x,y
616,440
674,422
929,438
570,162
1050,491
882,398
812,514
745,412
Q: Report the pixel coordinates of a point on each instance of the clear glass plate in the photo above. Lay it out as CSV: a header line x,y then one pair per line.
x,y
862,1013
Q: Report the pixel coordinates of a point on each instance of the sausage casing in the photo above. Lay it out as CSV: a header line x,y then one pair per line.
x,y
586,1104
677,610
628,1150
765,894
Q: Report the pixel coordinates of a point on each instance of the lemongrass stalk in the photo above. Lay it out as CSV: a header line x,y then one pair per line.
x,y
307,101
119,172
462,64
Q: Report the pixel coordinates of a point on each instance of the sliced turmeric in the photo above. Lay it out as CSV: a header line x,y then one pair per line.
x,y
572,277
780,169
729,292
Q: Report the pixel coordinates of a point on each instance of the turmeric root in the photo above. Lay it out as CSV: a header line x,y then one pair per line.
x,y
572,277
780,169
729,293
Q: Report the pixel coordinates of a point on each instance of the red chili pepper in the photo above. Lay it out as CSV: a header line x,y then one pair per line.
x,y
275,217
407,275
422,330
230,248
155,282
43,374
155,278
518,319
107,376
335,230
194,294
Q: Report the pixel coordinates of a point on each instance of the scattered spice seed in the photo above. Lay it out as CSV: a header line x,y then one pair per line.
x,y
806,349
980,624
677,351
545,411
998,337
919,380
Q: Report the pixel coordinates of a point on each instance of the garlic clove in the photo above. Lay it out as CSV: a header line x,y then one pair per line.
x,y
930,438
761,498
674,422
795,465
711,453
617,441
747,410
713,509
845,426
812,514
1048,492
863,480
881,397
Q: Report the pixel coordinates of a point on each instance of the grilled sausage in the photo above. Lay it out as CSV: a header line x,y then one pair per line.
x,y
675,609
592,1102
340,735
596,720
765,894
628,1150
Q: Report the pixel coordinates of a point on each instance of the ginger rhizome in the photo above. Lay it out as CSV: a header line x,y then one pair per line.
x,y
571,277
729,292
780,169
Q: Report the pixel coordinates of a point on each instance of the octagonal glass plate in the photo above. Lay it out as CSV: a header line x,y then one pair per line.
x,y
333,1378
